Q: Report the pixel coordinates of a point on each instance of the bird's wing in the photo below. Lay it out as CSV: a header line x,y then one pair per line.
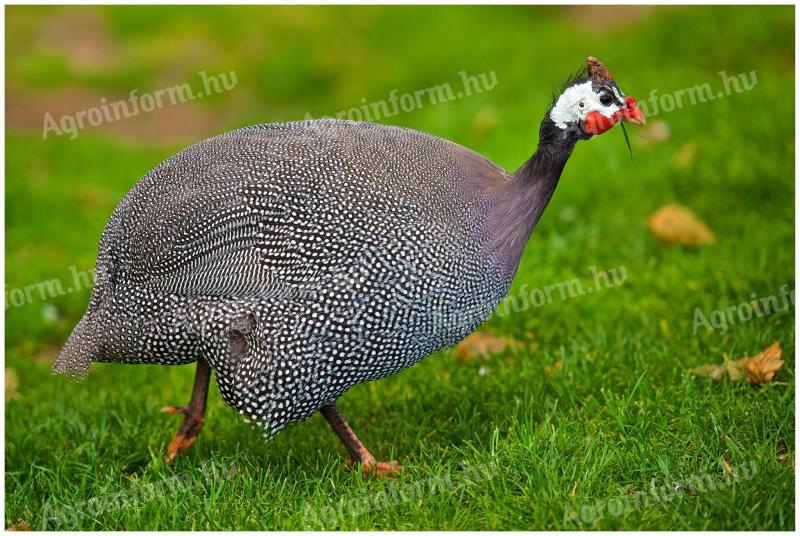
x,y
238,241
274,211
228,217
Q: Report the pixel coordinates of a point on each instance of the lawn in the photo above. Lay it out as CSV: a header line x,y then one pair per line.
x,y
591,421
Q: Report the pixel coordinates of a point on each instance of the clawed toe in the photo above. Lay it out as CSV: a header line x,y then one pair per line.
x,y
382,469
193,414
358,452
178,444
185,436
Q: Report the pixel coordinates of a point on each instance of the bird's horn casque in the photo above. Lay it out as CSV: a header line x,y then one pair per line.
x,y
597,71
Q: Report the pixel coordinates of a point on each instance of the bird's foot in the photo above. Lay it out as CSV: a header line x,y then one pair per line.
x,y
358,452
381,469
187,433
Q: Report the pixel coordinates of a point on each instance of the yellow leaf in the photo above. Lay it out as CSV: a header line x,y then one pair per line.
x,y
482,344
677,224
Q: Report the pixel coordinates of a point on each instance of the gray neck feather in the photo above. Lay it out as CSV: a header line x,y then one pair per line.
x,y
520,201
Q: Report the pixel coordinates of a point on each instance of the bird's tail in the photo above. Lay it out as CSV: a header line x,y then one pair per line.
x,y
79,351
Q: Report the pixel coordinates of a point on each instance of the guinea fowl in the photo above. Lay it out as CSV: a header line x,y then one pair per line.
x,y
297,260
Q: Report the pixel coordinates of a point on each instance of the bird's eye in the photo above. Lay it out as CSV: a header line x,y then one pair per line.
x,y
606,99
580,104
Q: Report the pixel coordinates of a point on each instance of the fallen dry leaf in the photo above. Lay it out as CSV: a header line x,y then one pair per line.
x,y
674,223
760,368
19,525
482,344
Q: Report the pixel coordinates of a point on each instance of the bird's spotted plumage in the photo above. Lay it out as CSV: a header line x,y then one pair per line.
x,y
299,259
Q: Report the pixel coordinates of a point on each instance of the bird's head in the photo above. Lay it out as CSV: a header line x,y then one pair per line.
x,y
592,103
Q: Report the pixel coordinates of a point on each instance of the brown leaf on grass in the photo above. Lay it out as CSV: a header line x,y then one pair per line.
x,y
482,344
19,525
760,368
674,223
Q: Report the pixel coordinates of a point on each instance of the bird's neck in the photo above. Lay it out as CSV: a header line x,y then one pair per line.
x,y
524,197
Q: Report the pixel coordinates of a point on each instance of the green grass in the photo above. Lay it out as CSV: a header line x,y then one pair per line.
x,y
593,409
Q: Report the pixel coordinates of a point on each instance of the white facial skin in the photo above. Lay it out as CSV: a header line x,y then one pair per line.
x,y
580,100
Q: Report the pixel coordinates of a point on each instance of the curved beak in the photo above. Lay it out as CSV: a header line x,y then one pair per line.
x,y
632,113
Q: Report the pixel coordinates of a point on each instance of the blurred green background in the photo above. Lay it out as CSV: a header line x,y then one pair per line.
x,y
597,402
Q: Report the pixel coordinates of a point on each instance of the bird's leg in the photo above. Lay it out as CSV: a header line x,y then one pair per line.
x,y
193,414
358,452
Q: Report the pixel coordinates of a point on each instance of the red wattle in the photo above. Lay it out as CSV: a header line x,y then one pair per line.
x,y
596,123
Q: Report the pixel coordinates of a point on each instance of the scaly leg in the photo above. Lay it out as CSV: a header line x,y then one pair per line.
x,y
193,414
358,452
